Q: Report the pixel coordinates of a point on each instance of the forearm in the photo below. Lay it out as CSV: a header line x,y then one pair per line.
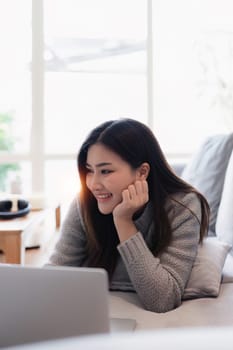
x,y
158,289
125,229
160,281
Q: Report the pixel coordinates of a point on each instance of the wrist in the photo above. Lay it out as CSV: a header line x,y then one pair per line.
x,y
125,228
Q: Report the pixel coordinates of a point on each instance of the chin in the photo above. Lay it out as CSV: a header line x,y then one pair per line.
x,y
105,211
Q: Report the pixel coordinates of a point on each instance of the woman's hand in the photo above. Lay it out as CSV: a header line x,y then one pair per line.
x,y
133,199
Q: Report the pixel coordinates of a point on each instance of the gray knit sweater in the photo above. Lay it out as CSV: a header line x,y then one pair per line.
x,y
158,281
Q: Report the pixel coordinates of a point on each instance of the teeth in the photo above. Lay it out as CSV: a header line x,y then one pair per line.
x,y
102,196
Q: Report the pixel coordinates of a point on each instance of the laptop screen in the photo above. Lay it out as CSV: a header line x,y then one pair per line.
x,y
54,302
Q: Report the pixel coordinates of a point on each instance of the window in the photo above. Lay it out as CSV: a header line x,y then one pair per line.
x,y
15,88
193,72
93,68
67,65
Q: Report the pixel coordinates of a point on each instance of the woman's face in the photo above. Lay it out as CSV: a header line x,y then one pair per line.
x,y
107,176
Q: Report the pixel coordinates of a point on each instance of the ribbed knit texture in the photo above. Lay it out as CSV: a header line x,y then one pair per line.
x,y
158,281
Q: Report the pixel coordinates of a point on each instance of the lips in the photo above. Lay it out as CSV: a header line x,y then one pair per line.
x,y
105,202
103,196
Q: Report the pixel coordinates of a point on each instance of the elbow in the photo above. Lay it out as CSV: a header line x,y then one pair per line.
x,y
162,304
161,308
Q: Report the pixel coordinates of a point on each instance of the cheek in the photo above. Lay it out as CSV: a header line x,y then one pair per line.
x,y
118,184
88,181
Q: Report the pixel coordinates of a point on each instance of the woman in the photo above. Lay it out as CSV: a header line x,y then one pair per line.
x,y
134,216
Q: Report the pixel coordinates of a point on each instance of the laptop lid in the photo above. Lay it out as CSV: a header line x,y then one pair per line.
x,y
54,302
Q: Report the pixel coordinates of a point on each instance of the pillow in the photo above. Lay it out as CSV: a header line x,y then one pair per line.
x,y
206,274
206,171
224,223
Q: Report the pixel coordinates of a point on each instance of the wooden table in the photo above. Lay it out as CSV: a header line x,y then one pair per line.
x,y
14,232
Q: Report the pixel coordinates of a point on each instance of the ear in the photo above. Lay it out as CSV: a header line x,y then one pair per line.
x,y
143,171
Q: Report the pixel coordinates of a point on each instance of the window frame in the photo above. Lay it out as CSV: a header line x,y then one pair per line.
x,y
37,156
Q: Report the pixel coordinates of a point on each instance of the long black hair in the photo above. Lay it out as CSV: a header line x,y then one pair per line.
x,y
135,143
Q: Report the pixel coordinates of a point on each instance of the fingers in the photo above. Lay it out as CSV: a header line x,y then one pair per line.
x,y
137,192
133,199
138,188
141,187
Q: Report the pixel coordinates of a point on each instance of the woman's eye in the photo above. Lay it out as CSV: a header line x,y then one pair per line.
x,y
106,171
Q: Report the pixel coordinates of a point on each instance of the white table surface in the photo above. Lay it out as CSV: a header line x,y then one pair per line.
x,y
166,339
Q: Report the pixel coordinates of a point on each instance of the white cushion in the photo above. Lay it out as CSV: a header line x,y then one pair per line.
x,y
227,272
224,223
206,171
206,274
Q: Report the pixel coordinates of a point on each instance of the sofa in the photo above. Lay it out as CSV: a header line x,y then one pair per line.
x,y
209,292
211,304
205,317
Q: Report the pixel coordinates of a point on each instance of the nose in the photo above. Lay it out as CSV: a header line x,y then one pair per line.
x,y
93,182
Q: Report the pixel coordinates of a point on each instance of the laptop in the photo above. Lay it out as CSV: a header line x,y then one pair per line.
x,y
38,304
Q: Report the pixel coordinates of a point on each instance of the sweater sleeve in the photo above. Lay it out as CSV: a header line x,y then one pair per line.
x,y
70,249
160,281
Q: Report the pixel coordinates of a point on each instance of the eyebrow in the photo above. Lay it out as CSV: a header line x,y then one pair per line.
x,y
99,164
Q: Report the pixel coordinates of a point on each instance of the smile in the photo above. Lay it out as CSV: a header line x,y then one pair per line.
x,y
103,196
